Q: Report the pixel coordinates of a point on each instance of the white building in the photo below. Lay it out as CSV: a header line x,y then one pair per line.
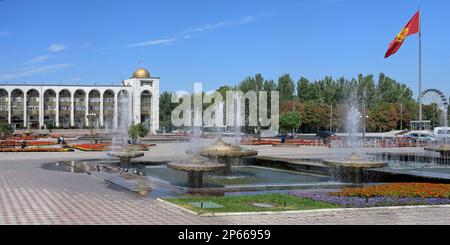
x,y
67,106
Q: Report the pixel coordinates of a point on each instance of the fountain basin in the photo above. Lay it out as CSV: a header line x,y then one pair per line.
x,y
444,150
195,169
355,164
226,154
222,149
125,156
354,169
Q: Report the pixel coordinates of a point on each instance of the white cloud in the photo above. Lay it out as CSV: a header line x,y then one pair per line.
x,y
57,48
153,42
207,27
30,71
187,34
39,59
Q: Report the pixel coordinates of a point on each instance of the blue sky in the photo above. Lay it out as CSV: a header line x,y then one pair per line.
x,y
218,42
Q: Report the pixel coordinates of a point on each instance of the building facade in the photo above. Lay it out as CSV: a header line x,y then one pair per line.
x,y
68,106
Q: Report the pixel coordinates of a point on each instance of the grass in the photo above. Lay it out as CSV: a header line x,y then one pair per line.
x,y
231,204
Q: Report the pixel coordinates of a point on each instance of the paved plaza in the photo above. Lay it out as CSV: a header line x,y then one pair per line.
x,y
31,194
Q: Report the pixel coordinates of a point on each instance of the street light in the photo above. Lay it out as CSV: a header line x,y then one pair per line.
x,y
364,118
91,117
259,130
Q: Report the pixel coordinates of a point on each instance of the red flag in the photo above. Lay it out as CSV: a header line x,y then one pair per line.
x,y
411,28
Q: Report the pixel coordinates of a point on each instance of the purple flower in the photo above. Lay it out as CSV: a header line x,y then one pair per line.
x,y
360,202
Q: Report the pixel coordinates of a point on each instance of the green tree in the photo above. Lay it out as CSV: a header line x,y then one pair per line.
x,y
290,121
5,129
165,110
137,131
286,87
303,89
49,126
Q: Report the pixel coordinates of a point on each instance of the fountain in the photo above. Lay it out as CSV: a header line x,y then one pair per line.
x,y
125,155
443,150
121,149
195,169
226,153
354,168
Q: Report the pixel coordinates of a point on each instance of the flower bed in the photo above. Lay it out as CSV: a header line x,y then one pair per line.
x,y
420,190
21,138
13,143
399,194
91,147
35,150
361,202
277,142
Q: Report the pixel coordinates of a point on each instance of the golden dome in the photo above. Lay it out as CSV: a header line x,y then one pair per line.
x,y
141,73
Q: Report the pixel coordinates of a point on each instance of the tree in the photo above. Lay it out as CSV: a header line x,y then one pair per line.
x,y
165,110
286,87
303,89
136,131
5,129
49,126
290,121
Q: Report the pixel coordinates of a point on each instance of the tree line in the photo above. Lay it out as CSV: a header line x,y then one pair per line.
x,y
310,106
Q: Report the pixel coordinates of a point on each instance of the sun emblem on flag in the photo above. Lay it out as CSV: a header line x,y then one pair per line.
x,y
402,35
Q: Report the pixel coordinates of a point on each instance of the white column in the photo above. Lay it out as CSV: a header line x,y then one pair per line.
x,y
72,109
101,109
155,113
9,107
41,109
131,105
25,109
57,110
116,111
87,109
137,106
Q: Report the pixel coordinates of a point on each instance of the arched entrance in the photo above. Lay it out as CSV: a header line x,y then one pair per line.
x,y
80,108
17,104
65,104
50,108
108,109
3,106
146,108
33,108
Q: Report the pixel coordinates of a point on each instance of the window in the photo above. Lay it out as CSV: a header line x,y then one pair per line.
x,y
146,83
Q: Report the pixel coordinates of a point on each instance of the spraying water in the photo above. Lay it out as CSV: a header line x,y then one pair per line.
x,y
238,118
120,138
353,128
353,125
196,132
219,118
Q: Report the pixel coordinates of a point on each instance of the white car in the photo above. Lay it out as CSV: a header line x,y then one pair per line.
x,y
442,133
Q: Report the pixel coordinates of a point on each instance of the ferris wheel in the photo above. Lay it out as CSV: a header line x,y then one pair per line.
x,y
437,97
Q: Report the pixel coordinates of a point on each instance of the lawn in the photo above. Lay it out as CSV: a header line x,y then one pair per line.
x,y
278,202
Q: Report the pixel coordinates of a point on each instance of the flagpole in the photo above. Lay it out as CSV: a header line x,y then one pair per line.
x,y
420,71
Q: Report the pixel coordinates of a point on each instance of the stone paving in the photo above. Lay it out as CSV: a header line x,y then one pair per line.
x,y
30,194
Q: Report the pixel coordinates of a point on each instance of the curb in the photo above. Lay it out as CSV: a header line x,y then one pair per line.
x,y
178,207
298,211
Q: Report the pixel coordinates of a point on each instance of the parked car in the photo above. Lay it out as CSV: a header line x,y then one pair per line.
x,y
326,136
420,137
442,134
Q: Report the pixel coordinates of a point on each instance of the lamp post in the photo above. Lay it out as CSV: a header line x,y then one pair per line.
x,y
364,118
259,130
331,117
91,117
